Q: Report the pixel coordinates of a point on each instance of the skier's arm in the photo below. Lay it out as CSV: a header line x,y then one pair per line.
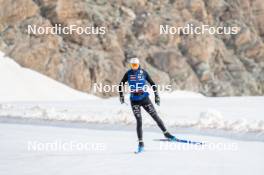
x,y
122,83
154,88
152,83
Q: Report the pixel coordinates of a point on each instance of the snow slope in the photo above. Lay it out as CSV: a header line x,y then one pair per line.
x,y
21,84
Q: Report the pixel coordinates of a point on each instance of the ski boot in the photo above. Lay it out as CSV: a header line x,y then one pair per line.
x,y
169,136
140,147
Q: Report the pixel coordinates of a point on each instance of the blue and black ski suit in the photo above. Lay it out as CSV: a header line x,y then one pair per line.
x,y
137,80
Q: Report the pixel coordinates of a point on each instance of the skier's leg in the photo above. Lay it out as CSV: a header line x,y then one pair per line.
x,y
149,107
137,113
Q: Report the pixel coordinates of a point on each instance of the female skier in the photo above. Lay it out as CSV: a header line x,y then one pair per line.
x,y
137,79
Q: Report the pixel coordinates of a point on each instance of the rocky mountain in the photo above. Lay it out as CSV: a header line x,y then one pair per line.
x,y
215,65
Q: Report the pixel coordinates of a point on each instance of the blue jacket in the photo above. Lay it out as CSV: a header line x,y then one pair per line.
x,y
137,81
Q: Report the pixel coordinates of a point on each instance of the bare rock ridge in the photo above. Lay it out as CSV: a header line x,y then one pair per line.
x,y
215,65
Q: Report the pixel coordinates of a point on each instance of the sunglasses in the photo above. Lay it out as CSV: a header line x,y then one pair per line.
x,y
134,65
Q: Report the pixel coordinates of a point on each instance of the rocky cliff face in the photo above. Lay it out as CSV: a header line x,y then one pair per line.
x,y
216,65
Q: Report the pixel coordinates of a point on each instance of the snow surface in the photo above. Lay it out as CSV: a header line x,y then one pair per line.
x,y
116,157
238,117
30,100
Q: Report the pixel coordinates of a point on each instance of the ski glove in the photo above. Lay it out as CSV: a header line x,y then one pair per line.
x,y
157,99
122,99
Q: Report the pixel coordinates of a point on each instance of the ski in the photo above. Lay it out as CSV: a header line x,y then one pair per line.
x,y
181,141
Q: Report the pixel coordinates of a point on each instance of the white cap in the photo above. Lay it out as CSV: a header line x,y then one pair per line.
x,y
134,61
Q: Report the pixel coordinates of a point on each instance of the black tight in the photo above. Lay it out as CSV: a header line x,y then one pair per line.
x,y
148,106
